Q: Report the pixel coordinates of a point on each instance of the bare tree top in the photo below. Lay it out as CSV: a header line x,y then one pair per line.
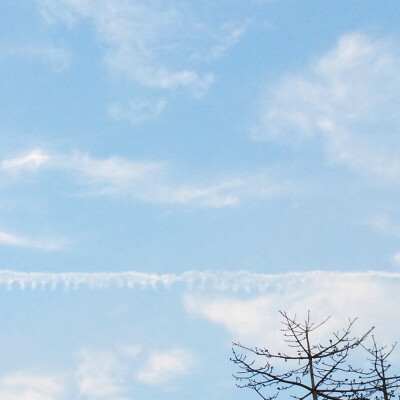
x,y
314,369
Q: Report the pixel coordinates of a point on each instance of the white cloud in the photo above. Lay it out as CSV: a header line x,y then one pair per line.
x,y
245,303
373,297
396,258
110,374
162,367
240,317
232,32
128,279
45,244
113,174
148,181
219,195
139,37
108,175
224,38
101,375
228,192
31,161
27,386
350,97
93,280
332,289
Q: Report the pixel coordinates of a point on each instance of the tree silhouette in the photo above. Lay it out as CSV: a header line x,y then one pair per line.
x,y
376,382
315,370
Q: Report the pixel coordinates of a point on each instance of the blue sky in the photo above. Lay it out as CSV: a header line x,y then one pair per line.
x,y
173,173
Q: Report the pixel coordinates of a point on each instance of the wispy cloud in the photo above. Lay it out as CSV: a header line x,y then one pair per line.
x,y
28,386
370,296
229,192
223,38
112,374
162,367
109,374
41,243
107,175
113,174
231,33
101,375
149,181
140,39
31,161
350,98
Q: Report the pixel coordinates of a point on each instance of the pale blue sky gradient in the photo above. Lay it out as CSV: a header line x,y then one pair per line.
x,y
164,137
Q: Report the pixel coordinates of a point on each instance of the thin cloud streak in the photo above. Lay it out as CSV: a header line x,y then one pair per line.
x,y
220,281
32,161
44,244
148,181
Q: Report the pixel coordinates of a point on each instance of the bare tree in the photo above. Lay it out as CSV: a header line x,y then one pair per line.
x,y
315,370
376,381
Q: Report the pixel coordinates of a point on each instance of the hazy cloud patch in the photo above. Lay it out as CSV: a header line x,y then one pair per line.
x,y
28,386
139,39
349,98
162,367
101,375
254,318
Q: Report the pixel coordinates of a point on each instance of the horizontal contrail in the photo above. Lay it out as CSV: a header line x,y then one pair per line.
x,y
222,281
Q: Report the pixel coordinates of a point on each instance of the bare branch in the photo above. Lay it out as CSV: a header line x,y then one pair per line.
x,y
315,370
